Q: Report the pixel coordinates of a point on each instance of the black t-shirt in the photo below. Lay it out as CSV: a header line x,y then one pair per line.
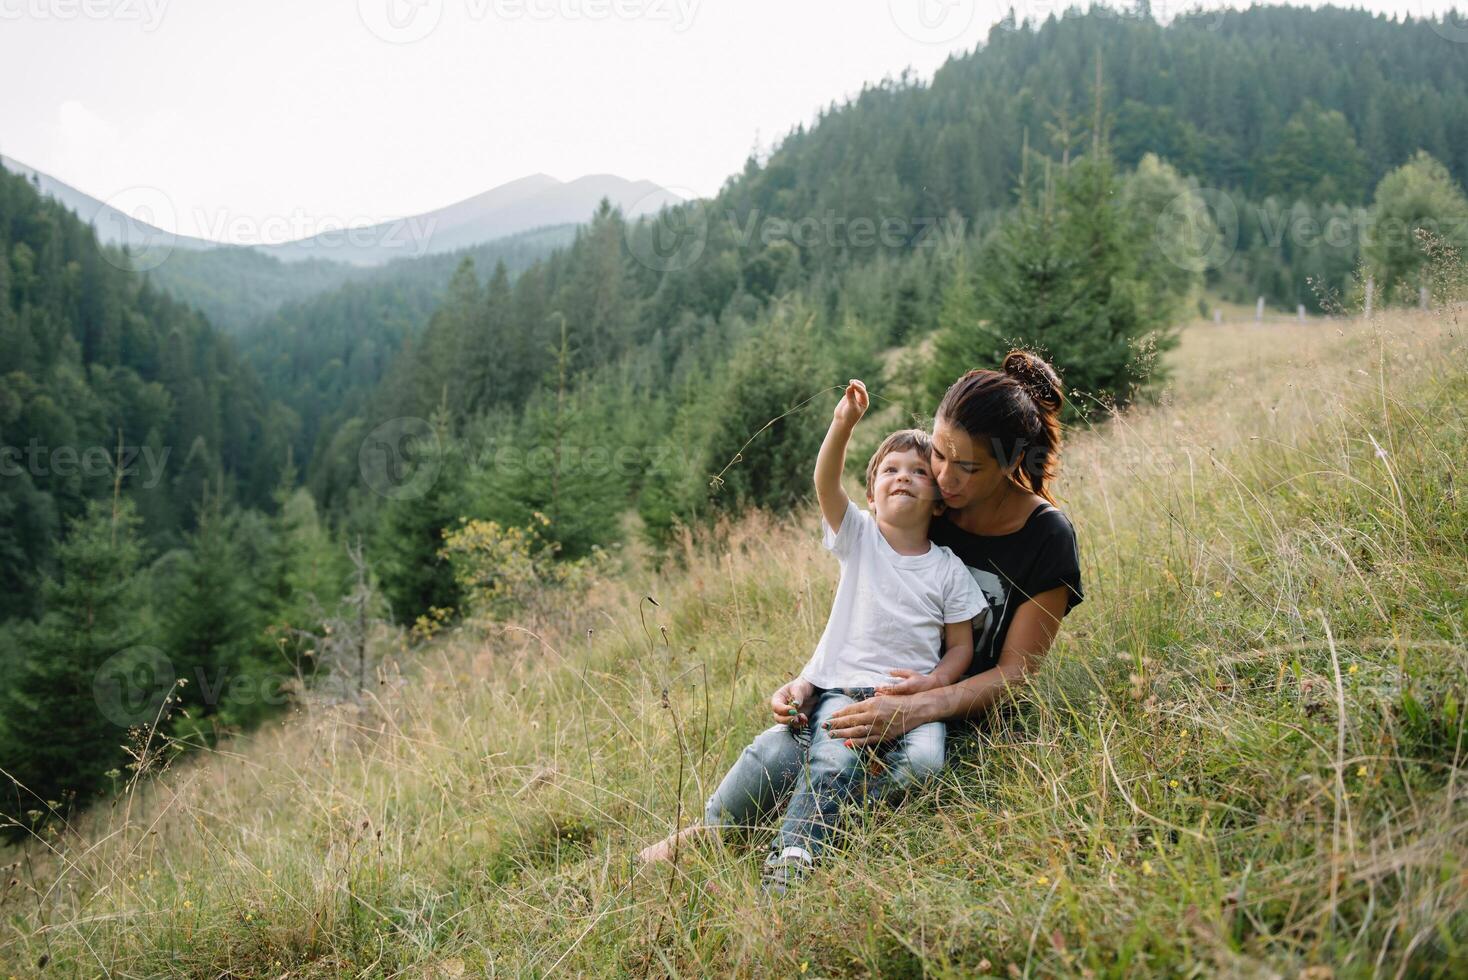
x,y
1012,568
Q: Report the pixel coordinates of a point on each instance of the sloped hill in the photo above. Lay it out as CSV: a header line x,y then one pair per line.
x,y
1243,757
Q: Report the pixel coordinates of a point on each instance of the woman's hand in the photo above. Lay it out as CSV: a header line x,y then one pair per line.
x,y
911,682
785,704
878,719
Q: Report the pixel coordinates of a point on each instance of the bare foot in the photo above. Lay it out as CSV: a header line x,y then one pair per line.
x,y
663,849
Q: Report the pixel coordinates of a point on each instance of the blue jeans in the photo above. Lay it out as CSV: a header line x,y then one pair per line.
x,y
819,774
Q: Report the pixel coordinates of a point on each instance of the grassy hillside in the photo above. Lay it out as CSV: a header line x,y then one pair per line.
x,y
1243,756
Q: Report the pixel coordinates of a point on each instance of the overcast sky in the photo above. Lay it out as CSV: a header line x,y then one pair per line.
x,y
359,110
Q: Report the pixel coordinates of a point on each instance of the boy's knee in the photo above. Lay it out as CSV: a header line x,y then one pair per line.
x,y
917,761
925,756
829,756
924,765
773,747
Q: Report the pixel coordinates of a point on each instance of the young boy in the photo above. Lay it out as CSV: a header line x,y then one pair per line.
x,y
904,607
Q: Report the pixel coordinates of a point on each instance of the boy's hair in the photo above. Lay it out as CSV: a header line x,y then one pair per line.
x,y
899,442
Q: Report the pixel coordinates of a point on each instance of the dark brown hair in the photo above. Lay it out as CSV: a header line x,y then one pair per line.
x,y
900,442
1017,410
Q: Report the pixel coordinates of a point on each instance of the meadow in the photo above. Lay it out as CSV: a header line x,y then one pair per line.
x,y
1242,757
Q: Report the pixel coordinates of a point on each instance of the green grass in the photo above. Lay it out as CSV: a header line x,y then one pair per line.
x,y
1244,755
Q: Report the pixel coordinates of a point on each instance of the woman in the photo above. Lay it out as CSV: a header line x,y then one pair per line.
x,y
996,441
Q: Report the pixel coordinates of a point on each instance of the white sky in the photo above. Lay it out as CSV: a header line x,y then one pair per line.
x,y
247,112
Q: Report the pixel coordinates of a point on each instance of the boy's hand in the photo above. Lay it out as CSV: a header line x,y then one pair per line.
x,y
852,406
911,682
788,704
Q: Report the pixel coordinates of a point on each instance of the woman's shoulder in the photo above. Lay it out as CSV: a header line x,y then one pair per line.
x,y
1042,517
1049,518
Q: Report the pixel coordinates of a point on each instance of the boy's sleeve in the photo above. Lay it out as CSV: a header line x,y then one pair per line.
x,y
852,524
965,599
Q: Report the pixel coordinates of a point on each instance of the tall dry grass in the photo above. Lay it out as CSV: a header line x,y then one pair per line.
x,y
1243,757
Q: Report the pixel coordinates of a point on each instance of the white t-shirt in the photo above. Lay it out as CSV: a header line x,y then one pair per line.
x,y
890,609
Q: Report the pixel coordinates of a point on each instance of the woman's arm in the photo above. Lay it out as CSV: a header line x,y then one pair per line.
x,y
888,716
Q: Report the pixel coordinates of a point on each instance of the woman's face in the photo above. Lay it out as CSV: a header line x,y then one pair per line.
x,y
963,467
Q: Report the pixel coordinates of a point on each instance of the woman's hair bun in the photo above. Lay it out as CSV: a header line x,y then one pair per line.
x,y
1036,377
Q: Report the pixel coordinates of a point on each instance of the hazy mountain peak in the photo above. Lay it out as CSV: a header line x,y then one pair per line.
x,y
536,200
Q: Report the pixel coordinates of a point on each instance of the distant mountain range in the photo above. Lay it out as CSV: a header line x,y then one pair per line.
x,y
537,201
113,227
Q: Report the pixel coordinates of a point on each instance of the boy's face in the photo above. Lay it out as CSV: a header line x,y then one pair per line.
x,y
902,493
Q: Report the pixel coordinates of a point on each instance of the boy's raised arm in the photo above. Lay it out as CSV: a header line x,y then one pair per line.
x,y
832,458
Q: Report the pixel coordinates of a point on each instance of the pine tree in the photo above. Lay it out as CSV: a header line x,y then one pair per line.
x,y
1064,275
211,624
764,432
964,341
1418,197
408,532
562,460
85,676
